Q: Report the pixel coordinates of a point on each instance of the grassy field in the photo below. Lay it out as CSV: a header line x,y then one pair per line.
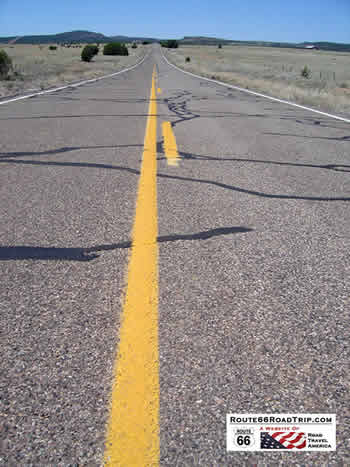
x,y
275,71
40,68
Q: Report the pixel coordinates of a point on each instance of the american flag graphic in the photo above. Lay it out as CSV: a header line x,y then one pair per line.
x,y
282,440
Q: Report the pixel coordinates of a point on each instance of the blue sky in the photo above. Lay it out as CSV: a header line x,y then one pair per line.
x,y
269,20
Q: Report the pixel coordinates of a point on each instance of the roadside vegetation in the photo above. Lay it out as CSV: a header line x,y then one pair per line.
x,y
88,52
170,44
115,48
5,65
317,78
36,67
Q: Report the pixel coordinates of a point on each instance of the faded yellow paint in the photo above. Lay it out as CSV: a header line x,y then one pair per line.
x,y
170,147
133,429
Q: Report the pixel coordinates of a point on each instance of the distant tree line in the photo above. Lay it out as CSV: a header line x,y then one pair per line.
x,y
170,44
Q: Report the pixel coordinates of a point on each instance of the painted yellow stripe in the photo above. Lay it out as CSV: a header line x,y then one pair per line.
x,y
170,147
159,91
133,429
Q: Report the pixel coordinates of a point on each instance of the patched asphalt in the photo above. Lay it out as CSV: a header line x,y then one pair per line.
x,y
254,266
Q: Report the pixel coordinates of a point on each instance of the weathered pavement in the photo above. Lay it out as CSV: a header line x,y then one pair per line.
x,y
254,266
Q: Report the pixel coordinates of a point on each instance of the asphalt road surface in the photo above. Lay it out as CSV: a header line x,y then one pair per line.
x,y
253,258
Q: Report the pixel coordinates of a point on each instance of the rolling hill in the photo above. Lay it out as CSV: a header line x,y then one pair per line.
x,y
95,37
71,37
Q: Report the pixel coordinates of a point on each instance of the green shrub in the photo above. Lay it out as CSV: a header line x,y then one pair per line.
x,y
115,48
170,44
53,47
188,59
134,46
88,53
5,65
306,72
95,49
145,42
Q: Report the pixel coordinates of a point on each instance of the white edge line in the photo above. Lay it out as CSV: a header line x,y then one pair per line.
x,y
257,93
75,85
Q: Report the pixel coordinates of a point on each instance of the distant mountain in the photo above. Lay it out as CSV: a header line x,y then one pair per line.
x,y
95,37
202,40
65,37
13,41
71,37
133,39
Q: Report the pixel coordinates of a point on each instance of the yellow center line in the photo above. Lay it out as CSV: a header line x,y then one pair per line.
x,y
132,437
170,147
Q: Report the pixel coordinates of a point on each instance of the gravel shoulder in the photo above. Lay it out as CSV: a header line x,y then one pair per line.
x,y
39,68
274,71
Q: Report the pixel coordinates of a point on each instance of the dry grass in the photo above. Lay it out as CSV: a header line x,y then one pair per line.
x,y
40,68
275,71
